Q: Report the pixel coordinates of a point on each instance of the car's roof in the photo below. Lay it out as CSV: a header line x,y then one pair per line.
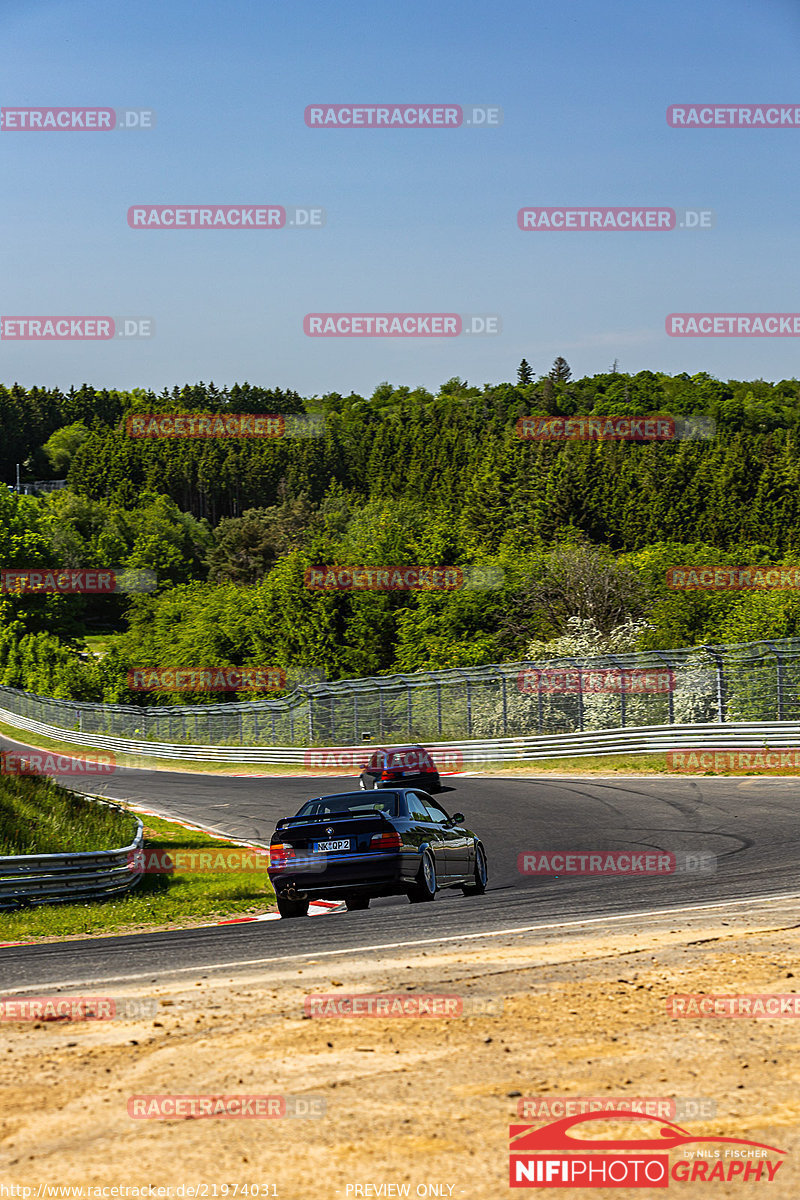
x,y
396,749
359,795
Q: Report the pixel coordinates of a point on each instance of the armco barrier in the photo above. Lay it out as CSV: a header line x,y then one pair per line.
x,y
87,875
754,681
640,739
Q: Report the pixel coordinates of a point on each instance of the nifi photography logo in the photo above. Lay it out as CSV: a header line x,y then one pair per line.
x,y
577,1152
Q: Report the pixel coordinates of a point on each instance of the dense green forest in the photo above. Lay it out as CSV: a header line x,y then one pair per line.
x,y
565,531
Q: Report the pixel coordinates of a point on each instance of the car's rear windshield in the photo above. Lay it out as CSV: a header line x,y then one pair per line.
x,y
359,804
412,759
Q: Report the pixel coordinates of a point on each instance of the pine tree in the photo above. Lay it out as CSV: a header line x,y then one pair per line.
x,y
549,398
524,373
560,372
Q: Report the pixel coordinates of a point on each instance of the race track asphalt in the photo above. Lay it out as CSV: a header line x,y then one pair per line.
x,y
750,824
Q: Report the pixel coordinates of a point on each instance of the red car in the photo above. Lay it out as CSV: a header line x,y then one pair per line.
x,y
408,766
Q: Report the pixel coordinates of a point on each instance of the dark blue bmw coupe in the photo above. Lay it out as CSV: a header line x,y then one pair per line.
x,y
353,846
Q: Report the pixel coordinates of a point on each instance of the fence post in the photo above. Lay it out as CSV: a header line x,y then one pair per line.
x,y
623,699
670,698
505,706
408,701
720,683
468,694
439,706
780,678
580,695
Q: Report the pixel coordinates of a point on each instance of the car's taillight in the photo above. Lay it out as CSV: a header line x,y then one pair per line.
x,y
391,774
386,841
279,854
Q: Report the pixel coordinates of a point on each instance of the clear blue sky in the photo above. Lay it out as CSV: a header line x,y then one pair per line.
x,y
417,221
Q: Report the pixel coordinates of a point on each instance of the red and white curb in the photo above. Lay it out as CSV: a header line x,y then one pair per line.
x,y
316,908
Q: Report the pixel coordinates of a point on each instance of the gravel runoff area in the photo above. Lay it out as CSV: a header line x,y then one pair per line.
x,y
392,1106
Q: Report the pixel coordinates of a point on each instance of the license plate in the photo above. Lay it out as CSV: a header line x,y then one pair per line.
x,y
339,844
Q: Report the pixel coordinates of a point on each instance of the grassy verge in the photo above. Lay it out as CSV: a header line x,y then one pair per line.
x,y
595,764
160,901
39,817
614,764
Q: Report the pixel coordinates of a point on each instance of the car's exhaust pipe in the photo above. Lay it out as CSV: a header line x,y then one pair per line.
x,y
291,893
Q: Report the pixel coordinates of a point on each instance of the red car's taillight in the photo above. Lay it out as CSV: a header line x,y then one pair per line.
x,y
386,841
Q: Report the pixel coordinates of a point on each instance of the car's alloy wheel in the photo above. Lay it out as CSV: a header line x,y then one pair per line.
x,y
356,902
425,887
361,783
480,877
292,908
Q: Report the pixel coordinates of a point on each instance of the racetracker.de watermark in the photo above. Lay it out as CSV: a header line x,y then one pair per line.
x,y
749,324
75,329
399,1004
76,1008
335,578
670,1108
45,762
402,116
224,425
615,681
658,427
760,1005
207,679
734,116
262,1107
70,120
154,860
617,862
225,216
332,324
630,219
354,757
76,581
758,577
755,758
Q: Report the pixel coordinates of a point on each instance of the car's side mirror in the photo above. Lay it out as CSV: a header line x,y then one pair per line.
x,y
457,818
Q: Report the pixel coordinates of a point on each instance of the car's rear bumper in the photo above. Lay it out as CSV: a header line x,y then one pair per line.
x,y
379,874
425,782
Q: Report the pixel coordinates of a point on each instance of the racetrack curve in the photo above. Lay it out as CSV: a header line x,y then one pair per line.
x,y
749,823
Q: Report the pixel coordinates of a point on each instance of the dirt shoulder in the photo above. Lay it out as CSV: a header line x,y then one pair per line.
x,y
421,1101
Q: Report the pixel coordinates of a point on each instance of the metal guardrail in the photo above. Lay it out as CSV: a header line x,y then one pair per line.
x,y
752,681
642,739
27,879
